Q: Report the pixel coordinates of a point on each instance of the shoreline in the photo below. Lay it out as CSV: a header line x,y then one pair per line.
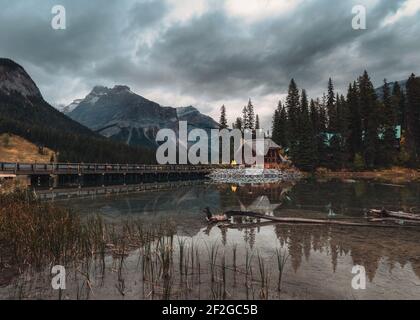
x,y
396,174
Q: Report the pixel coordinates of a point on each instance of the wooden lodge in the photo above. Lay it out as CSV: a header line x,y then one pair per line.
x,y
274,157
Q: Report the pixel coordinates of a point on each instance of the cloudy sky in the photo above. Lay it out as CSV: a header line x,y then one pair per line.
x,y
209,52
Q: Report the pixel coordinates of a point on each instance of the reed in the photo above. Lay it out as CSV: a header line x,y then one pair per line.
x,y
181,248
212,254
263,272
234,257
248,266
282,258
35,235
224,276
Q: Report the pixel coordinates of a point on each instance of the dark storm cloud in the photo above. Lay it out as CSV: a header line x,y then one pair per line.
x,y
211,56
96,31
146,13
214,54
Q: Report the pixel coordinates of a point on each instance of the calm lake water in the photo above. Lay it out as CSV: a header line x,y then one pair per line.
x,y
320,258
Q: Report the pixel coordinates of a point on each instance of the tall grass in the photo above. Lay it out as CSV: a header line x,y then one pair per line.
x,y
32,232
35,234
282,258
264,277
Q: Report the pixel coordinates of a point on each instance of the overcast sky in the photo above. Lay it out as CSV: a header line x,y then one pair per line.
x,y
209,52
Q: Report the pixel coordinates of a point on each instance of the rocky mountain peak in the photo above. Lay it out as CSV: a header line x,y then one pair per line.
x,y
123,115
121,89
183,111
14,79
99,90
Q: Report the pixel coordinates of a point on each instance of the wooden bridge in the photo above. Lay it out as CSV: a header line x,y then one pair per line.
x,y
54,174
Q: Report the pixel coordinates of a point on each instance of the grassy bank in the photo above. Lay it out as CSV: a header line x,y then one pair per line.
x,y
16,149
35,234
395,174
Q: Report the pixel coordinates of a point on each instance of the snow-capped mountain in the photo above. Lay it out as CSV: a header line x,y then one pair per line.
x,y
25,113
122,115
67,109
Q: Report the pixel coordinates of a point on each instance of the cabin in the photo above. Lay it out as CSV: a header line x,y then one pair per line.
x,y
274,157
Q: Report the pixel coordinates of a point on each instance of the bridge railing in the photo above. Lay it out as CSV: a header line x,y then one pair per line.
x,y
9,167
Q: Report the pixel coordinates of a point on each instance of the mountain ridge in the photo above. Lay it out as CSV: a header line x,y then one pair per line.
x,y
122,115
24,112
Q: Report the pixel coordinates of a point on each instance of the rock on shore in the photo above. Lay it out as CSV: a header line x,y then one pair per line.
x,y
253,175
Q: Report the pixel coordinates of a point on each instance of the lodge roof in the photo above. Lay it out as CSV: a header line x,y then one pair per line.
x,y
268,144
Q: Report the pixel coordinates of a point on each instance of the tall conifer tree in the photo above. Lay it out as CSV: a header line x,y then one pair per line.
x,y
354,137
257,122
388,129
293,110
223,120
369,112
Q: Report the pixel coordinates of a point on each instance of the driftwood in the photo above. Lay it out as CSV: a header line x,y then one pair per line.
x,y
303,220
395,220
394,214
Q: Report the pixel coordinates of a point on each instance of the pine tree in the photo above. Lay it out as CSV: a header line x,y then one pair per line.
x,y
322,129
388,128
398,100
250,116
279,128
335,149
238,124
318,129
344,124
370,126
293,111
305,153
223,120
331,108
245,120
284,127
275,129
354,134
257,122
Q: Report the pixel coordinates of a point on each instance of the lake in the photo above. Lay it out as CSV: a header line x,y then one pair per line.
x,y
242,261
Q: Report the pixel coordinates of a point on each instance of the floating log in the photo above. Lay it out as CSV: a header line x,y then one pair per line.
x,y
396,220
394,214
305,221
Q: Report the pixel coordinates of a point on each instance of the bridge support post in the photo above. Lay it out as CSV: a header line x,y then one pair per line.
x,y
54,180
80,180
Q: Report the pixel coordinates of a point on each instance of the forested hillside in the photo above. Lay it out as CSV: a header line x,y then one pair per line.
x,y
357,131
25,113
